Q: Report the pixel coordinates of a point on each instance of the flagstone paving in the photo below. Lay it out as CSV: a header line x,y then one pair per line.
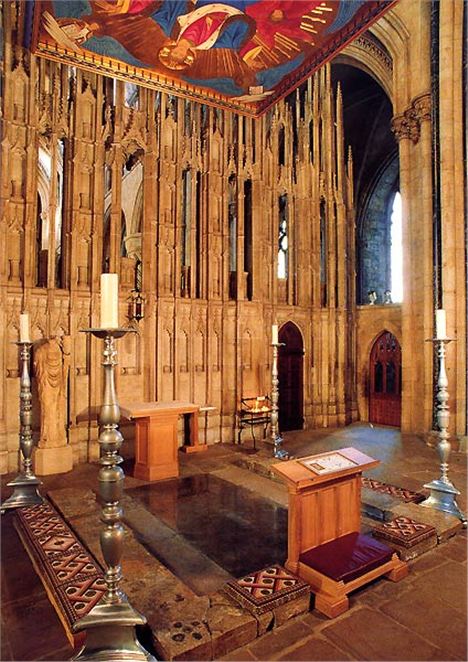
x,y
420,618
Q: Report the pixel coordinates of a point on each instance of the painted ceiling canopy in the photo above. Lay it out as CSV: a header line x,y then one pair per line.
x,y
243,55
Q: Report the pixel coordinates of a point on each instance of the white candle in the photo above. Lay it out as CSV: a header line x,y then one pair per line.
x,y
24,327
274,334
109,301
441,324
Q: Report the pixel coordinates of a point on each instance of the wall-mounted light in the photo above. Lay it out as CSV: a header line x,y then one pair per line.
x,y
137,305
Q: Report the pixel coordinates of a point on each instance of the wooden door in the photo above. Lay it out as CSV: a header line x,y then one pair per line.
x,y
290,375
385,381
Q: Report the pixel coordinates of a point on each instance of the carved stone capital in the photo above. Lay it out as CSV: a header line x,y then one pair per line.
x,y
422,106
408,124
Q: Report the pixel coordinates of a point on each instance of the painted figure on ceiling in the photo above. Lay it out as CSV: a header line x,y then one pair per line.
x,y
235,47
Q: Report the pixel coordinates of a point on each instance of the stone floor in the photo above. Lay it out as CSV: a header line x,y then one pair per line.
x,y
420,618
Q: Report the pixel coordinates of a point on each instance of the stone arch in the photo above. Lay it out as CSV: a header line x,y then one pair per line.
x,y
291,377
385,372
372,58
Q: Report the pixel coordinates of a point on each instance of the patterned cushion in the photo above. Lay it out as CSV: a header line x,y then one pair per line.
x,y
392,490
72,577
404,531
266,589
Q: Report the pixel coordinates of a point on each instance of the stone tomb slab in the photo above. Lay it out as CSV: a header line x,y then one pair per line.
x,y
226,524
185,625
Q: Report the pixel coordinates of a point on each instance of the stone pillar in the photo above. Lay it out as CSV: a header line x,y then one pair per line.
x,y
453,212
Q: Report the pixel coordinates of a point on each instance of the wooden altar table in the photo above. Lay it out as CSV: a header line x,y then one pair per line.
x,y
156,436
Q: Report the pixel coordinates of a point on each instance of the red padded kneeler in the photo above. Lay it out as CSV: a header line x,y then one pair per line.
x,y
347,557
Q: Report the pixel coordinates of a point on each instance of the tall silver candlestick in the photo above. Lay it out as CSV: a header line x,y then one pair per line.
x,y
278,452
110,625
443,492
25,485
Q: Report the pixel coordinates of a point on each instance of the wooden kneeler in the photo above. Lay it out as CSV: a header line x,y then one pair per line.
x,y
325,547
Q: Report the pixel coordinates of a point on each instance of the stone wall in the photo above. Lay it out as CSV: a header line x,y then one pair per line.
x,y
206,330
205,333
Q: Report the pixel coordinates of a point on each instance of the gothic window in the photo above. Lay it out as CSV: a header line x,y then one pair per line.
x,y
107,179
235,129
232,220
60,214
185,239
42,220
248,236
252,134
41,254
106,222
50,214
204,123
108,88
106,242
396,250
157,101
281,147
323,254
198,235
283,246
378,377
71,76
123,235
131,95
187,118
390,378
171,106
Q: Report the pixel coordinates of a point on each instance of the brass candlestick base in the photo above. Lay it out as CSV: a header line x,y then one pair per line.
x,y
26,484
276,439
110,625
443,492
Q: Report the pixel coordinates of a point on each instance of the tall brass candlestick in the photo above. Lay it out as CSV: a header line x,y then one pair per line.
x,y
25,485
110,625
443,492
278,452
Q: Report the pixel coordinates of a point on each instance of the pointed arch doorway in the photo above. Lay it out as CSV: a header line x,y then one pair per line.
x,y
290,375
385,381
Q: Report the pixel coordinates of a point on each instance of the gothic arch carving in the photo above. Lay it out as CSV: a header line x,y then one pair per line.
x,y
366,55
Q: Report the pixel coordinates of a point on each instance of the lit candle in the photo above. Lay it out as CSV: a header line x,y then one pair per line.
x,y
109,301
441,324
24,327
274,334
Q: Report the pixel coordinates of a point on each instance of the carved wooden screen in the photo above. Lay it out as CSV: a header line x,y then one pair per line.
x,y
385,381
290,374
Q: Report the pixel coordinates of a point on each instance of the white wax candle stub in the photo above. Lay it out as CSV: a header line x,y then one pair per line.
x,y
441,324
24,327
274,333
109,301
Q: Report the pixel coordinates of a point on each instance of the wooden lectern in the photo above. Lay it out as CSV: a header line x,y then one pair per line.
x,y
325,546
